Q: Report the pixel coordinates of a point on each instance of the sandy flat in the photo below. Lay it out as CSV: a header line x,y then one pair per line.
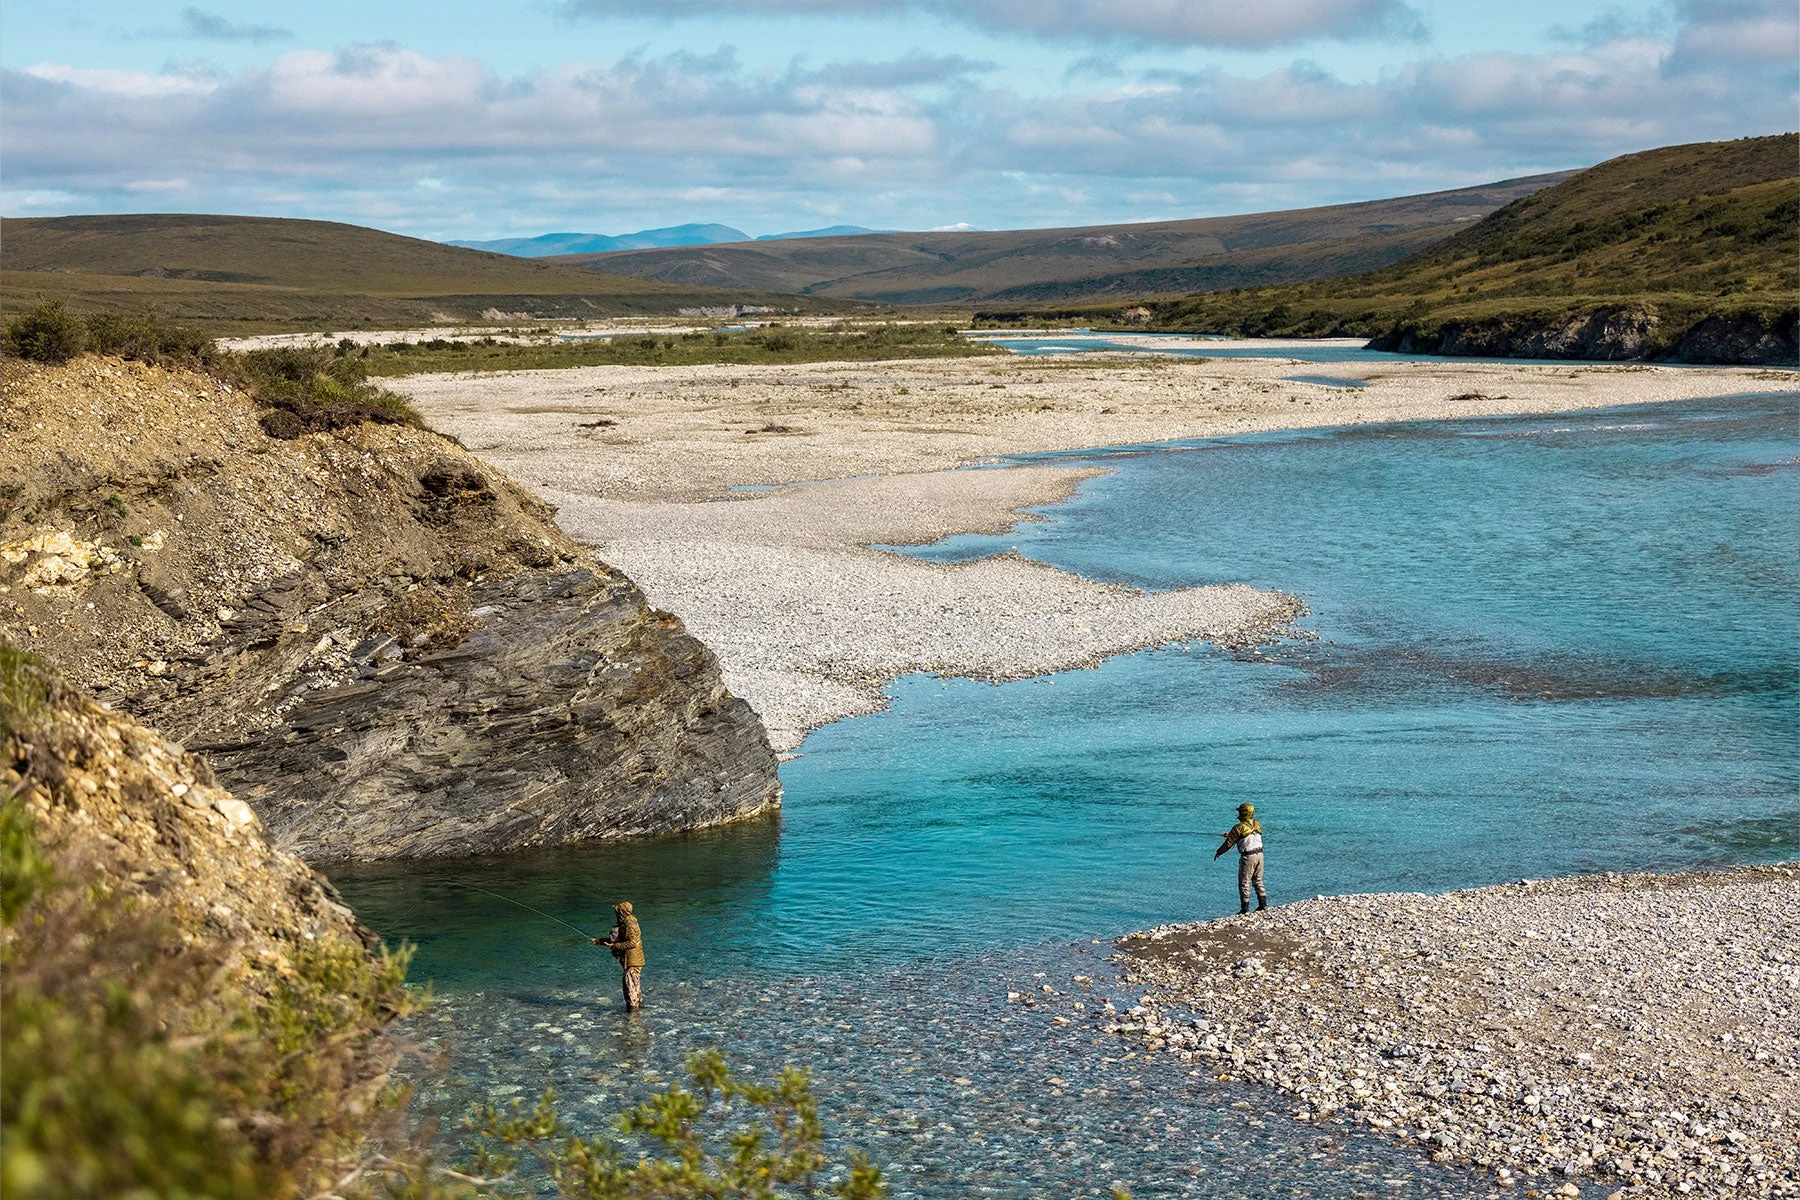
x,y
808,620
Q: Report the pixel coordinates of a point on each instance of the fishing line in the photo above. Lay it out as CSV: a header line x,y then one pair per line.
x,y
540,912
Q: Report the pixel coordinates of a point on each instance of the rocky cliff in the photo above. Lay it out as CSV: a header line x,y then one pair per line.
x,y
1610,334
385,647
188,1011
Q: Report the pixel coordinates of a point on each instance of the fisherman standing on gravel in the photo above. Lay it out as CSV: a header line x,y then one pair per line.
x,y
626,942
1246,835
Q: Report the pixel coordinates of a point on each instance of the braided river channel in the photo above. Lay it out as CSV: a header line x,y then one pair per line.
x,y
1544,645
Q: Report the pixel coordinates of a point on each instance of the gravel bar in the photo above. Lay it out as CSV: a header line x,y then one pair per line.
x,y
788,585
1616,1035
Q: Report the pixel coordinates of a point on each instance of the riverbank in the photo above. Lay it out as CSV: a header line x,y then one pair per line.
x,y
1628,1035
810,623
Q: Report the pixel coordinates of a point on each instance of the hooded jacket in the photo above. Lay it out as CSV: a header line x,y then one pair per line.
x,y
626,941
1246,826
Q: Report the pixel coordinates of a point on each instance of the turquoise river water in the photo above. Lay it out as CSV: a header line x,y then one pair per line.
x,y
1544,645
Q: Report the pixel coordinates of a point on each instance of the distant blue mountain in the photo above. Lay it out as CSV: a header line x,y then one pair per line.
x,y
828,231
547,244
599,243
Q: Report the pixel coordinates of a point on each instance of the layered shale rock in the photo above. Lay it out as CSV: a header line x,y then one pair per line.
x,y
385,647
1606,334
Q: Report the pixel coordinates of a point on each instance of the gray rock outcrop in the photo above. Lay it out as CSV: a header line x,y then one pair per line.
x,y
386,647
1606,334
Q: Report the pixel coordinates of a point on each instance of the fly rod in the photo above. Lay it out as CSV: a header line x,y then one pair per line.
x,y
540,912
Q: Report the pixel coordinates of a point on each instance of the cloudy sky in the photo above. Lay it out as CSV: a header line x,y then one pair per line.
x,y
452,118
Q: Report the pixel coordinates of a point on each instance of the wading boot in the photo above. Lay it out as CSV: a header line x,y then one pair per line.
x,y
1243,907
1262,902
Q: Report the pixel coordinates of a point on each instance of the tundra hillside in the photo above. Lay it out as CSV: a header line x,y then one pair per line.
x,y
263,274
387,648
1687,253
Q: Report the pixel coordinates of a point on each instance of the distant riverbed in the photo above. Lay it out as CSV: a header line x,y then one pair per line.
x,y
1038,343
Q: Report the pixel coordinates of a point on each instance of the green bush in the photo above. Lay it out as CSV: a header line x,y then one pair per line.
x,y
307,389
46,333
720,1138
147,339
141,1061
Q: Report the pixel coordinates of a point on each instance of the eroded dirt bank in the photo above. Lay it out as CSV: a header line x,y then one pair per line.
x,y
384,645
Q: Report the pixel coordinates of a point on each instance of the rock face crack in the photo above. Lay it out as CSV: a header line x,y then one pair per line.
x,y
377,676
413,765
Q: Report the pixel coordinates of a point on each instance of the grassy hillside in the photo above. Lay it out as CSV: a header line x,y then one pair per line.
x,y
1682,234
242,274
1073,265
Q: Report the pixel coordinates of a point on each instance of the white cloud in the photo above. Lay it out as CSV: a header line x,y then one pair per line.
x,y
198,23
134,84
1167,22
385,82
1198,22
421,142
1758,32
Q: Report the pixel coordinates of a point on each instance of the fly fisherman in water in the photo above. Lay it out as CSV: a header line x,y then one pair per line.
x,y
627,945
1246,835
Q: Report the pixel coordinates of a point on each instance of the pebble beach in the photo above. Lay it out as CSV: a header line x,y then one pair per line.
x,y
1617,1035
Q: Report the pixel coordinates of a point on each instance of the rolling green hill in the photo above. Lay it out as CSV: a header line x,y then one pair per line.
x,y
1657,254
1075,265
240,274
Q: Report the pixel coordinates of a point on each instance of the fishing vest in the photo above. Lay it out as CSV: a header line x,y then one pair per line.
x,y
1251,842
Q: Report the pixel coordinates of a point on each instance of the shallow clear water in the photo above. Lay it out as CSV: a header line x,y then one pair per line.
x,y
1183,345
1546,644
1330,381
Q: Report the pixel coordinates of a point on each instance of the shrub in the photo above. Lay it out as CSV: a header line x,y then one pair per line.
x,y
307,389
46,333
147,339
139,1060
766,1142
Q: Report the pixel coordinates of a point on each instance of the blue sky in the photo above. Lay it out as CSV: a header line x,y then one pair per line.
x,y
456,119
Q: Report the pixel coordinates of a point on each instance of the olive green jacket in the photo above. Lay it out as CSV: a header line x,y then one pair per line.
x,y
626,942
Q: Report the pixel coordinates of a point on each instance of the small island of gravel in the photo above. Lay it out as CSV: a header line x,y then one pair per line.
x,y
1617,1035
810,618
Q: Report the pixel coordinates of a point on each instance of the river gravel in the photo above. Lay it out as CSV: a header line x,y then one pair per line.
x,y
990,1077
811,623
809,618
1617,1035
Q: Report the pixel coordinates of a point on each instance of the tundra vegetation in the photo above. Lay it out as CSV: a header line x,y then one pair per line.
x,y
140,1058
266,274
844,341
1683,234
301,389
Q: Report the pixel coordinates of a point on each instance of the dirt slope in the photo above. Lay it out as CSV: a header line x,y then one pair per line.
x,y
386,648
